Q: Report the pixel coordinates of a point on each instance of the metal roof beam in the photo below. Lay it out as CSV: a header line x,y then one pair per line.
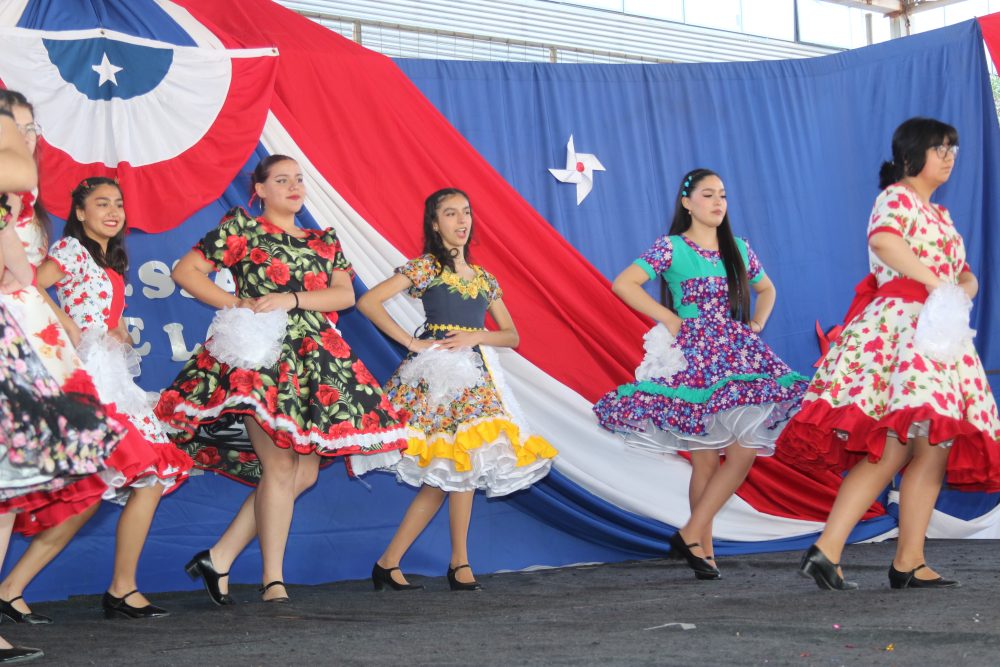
x,y
893,8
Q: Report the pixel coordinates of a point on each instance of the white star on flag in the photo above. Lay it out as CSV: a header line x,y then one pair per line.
x,y
580,168
106,71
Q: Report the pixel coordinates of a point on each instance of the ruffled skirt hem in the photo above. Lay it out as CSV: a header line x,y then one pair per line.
x,y
489,456
285,432
43,510
822,437
752,426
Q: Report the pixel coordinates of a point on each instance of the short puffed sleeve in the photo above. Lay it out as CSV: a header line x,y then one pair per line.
x,y
657,259
226,244
420,271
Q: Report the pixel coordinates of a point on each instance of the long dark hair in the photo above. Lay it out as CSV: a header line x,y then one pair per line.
x,y
736,270
261,173
910,142
8,100
115,257
433,244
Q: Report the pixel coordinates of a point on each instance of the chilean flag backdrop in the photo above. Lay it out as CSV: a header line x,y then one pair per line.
x,y
203,90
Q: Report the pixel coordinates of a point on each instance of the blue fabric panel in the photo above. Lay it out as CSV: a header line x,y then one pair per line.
x,y
798,144
141,18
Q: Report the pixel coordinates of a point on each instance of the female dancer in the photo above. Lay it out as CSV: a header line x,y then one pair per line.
x,y
29,235
87,266
717,386
47,439
317,399
888,394
465,431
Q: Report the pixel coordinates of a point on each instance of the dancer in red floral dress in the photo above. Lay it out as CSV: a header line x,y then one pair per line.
x,y
903,384
304,397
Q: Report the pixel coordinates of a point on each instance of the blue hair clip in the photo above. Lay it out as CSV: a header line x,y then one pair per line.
x,y
687,184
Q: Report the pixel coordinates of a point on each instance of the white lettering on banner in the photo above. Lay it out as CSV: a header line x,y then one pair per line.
x,y
155,275
135,326
157,284
178,349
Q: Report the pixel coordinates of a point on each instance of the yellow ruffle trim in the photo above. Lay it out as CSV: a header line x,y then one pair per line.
x,y
473,436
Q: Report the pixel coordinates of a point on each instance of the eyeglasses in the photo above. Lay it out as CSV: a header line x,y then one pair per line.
x,y
29,129
944,149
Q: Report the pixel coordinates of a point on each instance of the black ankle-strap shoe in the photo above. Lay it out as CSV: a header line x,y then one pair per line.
x,y
8,613
815,564
278,600
457,585
382,577
702,568
909,579
119,608
19,654
201,566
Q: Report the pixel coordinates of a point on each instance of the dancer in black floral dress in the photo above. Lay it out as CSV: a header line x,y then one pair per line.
x,y
317,400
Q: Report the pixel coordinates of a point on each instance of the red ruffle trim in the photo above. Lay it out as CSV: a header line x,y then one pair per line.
x,y
45,509
136,458
810,440
188,426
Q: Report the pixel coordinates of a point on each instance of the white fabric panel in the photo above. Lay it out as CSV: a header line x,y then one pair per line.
x,y
945,526
10,12
201,35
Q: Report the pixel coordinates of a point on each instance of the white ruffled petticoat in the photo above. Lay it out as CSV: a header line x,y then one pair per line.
x,y
241,338
493,465
751,426
113,365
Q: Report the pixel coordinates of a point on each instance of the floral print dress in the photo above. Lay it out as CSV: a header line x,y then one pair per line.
x,y
873,383
479,439
95,298
318,398
54,436
734,389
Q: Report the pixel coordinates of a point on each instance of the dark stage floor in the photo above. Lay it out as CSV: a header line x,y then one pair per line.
x,y
645,612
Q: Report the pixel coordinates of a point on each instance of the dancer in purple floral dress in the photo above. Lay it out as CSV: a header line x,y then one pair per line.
x,y
708,383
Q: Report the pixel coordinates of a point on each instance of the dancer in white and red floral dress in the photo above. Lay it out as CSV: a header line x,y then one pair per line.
x,y
87,266
47,438
902,385
46,509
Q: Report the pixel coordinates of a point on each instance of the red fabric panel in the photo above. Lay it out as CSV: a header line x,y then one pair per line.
x,y
990,25
384,147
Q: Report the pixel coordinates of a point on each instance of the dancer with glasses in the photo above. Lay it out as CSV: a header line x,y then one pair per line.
x,y
902,386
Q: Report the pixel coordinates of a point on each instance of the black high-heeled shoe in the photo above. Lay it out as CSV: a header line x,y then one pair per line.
x,y
702,568
457,585
382,577
7,612
278,600
19,654
899,579
201,566
118,608
815,564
